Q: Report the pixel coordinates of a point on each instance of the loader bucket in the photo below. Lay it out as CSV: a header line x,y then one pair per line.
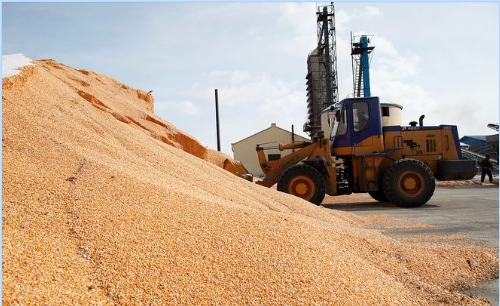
x,y
237,168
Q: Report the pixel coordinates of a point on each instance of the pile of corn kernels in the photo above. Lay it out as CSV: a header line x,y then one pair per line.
x,y
104,203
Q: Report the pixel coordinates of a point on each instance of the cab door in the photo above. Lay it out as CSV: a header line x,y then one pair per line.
x,y
359,128
366,128
361,123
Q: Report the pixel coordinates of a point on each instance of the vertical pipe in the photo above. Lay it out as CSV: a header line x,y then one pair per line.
x,y
217,119
293,137
365,62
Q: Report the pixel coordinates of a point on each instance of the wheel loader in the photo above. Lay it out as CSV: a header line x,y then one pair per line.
x,y
393,163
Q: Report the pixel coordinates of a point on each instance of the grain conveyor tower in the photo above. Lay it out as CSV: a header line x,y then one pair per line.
x,y
360,51
322,83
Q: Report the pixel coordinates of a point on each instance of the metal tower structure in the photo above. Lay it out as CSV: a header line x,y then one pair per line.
x,y
360,53
322,83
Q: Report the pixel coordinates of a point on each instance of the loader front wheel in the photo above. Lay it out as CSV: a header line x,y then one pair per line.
x,y
409,183
304,182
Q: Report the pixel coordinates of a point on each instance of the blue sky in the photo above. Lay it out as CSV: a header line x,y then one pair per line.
x,y
438,59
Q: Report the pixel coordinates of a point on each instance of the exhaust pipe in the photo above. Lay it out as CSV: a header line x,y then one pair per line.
x,y
421,120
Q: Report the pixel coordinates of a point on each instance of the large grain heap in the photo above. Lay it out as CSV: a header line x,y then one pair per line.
x,y
104,203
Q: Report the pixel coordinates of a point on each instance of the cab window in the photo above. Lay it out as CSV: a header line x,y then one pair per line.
x,y
361,120
341,121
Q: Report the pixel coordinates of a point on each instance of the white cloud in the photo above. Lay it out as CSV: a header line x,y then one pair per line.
x,y
256,94
346,19
372,12
289,18
396,68
232,77
383,46
183,107
343,19
250,102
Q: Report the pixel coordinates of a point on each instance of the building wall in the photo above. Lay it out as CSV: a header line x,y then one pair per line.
x,y
244,150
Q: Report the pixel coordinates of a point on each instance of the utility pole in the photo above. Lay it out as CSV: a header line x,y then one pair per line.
x,y
217,119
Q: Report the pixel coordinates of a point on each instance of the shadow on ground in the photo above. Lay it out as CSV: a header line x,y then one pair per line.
x,y
371,206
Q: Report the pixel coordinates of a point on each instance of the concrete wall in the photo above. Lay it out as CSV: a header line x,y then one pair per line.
x,y
244,150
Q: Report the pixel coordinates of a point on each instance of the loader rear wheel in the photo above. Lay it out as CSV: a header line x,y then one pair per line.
x,y
304,182
409,183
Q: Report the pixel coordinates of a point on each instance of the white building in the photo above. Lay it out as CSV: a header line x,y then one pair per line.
x,y
245,152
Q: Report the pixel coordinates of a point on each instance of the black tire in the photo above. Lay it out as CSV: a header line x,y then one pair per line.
x,y
409,183
304,182
378,195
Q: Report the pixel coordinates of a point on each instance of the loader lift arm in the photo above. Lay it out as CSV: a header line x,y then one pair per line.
x,y
315,154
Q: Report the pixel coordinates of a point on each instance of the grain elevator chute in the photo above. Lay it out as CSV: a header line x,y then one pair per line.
x,y
322,84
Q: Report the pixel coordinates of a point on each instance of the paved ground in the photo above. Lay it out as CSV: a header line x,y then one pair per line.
x,y
468,210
